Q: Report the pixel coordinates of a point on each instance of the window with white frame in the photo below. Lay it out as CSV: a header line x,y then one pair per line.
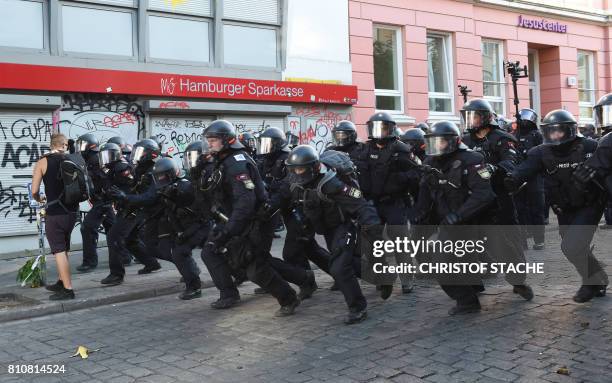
x,y
179,30
439,65
25,26
388,69
494,85
97,30
255,43
586,84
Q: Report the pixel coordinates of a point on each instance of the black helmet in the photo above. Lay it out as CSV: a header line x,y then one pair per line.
x,y
423,126
271,140
476,114
109,153
504,123
381,126
159,142
443,138
414,137
195,154
344,133
86,144
559,127
118,140
144,150
603,114
165,172
529,120
303,164
249,141
225,131
127,150
588,130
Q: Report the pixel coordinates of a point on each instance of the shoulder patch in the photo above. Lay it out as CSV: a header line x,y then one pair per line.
x,y
483,171
239,157
351,191
246,180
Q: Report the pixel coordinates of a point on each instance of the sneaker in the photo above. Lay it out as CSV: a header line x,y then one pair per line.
x,y
356,316
61,295
149,269
523,290
190,294
112,280
288,310
86,268
462,308
57,286
225,303
309,288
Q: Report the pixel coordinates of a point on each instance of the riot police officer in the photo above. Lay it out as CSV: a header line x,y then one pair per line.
x,y
239,195
415,139
101,212
603,125
386,169
423,126
331,205
130,202
530,201
498,147
248,140
455,190
344,136
578,205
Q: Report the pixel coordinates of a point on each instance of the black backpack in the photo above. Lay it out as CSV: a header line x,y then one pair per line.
x,y
77,183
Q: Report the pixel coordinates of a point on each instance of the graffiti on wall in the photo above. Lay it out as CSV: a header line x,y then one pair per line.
x,y
312,125
176,133
104,115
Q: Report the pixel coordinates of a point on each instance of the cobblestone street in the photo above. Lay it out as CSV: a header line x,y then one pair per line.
x,y
409,338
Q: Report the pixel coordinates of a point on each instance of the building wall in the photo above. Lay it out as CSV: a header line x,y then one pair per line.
x,y
468,23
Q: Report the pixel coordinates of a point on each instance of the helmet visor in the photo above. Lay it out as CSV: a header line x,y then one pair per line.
x,y
474,119
164,178
555,134
342,138
265,145
137,153
301,174
106,157
191,159
603,116
380,129
439,145
80,146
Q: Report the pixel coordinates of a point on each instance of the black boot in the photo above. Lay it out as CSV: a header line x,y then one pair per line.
x,y
465,308
586,292
85,268
112,280
385,291
287,310
225,303
57,286
309,287
356,316
261,291
62,295
523,290
190,293
149,269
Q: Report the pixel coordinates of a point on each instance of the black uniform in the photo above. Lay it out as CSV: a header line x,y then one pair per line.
x,y
530,201
578,207
240,194
334,209
461,187
101,212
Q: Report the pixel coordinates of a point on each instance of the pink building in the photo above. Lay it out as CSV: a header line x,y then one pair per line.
x,y
408,57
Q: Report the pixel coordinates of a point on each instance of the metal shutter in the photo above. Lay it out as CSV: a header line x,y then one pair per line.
x,y
255,124
191,7
103,124
259,11
24,136
179,131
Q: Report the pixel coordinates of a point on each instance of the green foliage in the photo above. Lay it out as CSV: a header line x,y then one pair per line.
x,y
28,277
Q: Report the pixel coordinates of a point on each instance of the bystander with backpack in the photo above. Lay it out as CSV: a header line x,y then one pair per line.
x,y
66,184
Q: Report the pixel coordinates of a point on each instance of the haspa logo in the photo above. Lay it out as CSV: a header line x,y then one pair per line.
x,y
168,85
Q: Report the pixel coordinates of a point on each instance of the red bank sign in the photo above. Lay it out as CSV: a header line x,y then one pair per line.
x,y
67,79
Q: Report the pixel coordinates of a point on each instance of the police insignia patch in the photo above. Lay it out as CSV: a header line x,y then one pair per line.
x,y
246,180
484,173
239,157
352,192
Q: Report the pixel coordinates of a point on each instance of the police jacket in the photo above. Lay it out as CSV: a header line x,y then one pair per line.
x,y
557,163
602,162
456,183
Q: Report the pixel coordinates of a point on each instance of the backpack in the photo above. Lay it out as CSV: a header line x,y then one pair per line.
x,y
339,165
77,183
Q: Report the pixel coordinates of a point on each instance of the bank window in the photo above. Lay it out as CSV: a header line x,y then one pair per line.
x,y
494,86
174,38
25,26
97,31
251,33
439,64
388,69
586,84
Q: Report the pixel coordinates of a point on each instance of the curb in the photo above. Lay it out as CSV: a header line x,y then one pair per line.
x,y
67,306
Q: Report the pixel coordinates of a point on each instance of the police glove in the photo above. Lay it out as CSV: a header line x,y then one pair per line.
x,y
451,219
584,174
117,194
